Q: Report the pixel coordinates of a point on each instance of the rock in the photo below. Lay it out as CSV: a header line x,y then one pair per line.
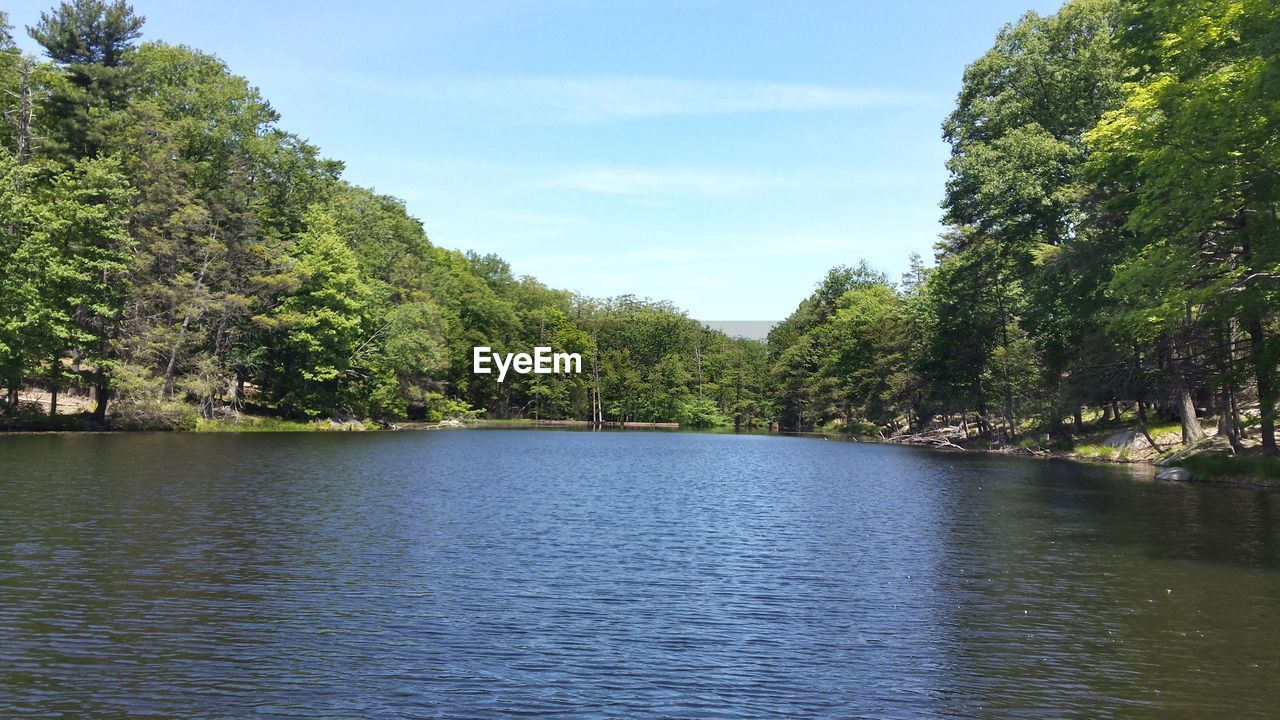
x,y
347,425
1127,440
1174,474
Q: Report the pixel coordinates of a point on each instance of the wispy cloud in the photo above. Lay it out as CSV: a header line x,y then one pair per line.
x,y
642,181
555,99
719,251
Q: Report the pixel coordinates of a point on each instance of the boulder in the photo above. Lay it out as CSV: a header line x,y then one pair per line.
x,y
1174,474
1127,440
346,425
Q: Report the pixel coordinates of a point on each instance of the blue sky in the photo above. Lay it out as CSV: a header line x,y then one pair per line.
x,y
721,155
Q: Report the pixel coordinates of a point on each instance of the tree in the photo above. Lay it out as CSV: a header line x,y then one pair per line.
x,y
1195,141
20,297
88,32
311,364
82,260
1018,193
91,41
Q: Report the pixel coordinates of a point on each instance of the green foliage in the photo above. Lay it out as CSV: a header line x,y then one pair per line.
x,y
88,32
439,407
317,334
701,414
141,404
1192,149
1113,236
1225,467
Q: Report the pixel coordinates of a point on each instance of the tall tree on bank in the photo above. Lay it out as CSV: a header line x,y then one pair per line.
x,y
85,236
313,359
1198,138
83,271
1017,198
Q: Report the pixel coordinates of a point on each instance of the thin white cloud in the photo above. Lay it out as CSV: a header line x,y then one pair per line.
x,y
554,99
716,250
639,181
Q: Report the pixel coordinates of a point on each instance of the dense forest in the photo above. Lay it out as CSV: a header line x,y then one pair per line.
x,y
1114,241
168,252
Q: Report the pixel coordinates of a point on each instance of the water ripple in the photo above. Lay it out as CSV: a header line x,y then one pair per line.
x,y
599,575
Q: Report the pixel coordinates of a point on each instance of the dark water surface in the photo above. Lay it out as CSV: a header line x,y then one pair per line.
x,y
574,574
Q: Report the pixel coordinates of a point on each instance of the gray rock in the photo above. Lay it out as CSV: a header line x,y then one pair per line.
x,y
1174,474
1129,440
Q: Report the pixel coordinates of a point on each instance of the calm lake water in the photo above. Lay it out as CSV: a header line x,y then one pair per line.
x,y
594,575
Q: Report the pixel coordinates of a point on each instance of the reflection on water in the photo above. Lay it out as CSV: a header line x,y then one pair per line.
x,y
620,574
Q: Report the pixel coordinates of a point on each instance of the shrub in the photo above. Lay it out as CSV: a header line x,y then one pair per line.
x,y
701,414
140,403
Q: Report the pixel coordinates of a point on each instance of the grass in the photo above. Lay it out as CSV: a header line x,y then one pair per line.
x,y
1220,466
1158,429
1098,452
258,423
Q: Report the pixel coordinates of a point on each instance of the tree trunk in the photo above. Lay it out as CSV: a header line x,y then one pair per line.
x,y
697,356
1266,390
1227,426
1142,425
1011,422
1078,421
53,385
1191,430
1179,359
25,112
101,393
597,410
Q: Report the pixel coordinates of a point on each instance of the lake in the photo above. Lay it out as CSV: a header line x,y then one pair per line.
x,y
620,574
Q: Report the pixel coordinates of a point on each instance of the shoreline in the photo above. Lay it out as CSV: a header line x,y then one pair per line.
x,y
1150,466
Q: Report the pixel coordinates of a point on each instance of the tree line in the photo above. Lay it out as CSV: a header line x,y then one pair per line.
x,y
168,251
1113,240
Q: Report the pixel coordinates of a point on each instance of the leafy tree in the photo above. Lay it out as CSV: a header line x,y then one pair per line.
x,y
1018,195
318,331
1195,142
20,296
82,260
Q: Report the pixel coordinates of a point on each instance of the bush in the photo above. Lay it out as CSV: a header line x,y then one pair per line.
x,y
140,403
31,416
1221,466
701,414
439,407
